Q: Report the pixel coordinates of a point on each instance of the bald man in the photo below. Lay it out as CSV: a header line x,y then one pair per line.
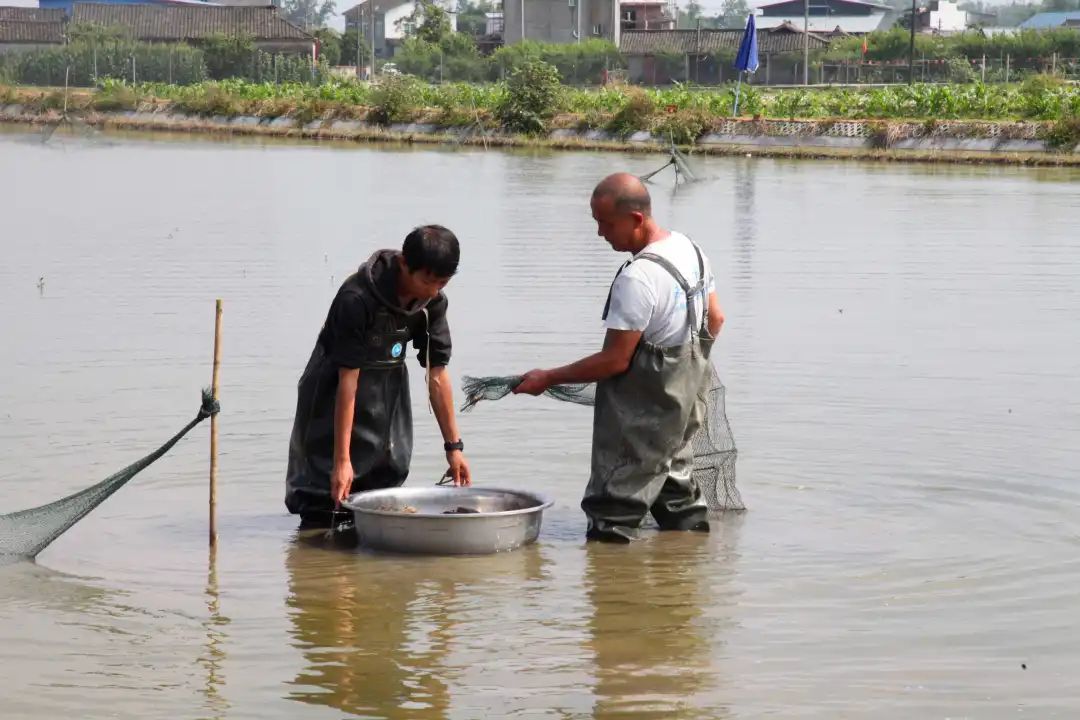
x,y
661,318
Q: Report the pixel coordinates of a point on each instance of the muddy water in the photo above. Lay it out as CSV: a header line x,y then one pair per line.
x,y
902,382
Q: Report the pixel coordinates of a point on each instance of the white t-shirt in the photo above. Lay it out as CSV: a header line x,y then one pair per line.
x,y
645,297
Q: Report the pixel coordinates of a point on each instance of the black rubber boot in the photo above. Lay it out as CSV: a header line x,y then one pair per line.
x,y
603,532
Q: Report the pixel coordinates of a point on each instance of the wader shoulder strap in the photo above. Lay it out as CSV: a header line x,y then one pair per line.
x,y
689,290
674,272
607,304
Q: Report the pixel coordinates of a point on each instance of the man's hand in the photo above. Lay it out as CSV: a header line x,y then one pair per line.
x,y
459,469
534,383
341,482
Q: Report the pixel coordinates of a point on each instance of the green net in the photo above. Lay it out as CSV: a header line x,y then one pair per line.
x,y
714,445
26,533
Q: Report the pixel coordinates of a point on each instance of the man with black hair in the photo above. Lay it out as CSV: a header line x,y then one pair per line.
x,y
353,425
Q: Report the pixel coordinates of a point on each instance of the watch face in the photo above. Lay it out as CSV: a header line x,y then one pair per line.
x,y
396,351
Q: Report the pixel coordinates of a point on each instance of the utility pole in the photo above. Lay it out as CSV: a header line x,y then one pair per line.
x,y
806,43
911,50
371,5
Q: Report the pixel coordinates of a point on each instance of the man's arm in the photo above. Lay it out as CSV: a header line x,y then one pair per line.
x,y
442,403
716,315
344,407
612,360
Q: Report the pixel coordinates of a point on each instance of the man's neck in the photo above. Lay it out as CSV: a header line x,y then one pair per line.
x,y
403,299
653,233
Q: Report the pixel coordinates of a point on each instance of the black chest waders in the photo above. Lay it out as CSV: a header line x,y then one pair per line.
x,y
643,423
382,433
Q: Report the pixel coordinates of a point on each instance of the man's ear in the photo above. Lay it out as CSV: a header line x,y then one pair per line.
x,y
639,219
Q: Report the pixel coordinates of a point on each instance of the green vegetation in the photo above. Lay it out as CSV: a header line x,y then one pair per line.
x,y
533,101
533,96
96,54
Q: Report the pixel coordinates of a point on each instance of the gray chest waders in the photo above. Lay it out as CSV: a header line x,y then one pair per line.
x,y
381,443
643,422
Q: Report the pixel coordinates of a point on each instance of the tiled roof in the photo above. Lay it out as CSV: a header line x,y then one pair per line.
x,y
1043,20
829,23
25,14
678,42
190,22
13,31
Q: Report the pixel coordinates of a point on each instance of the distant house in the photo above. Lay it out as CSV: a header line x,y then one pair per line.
x,y
944,17
193,23
562,21
646,15
1047,20
494,29
23,29
67,5
392,24
852,17
649,54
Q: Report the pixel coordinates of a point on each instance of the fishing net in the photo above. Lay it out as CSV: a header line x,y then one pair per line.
x,y
75,124
26,533
714,445
677,160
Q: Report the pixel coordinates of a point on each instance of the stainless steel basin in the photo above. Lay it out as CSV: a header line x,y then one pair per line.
x,y
446,520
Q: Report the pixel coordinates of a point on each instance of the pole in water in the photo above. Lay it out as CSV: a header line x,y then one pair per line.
x,y
214,426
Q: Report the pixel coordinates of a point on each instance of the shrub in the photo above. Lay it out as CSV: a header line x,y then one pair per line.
x,y
682,127
395,98
635,113
115,95
1063,135
532,98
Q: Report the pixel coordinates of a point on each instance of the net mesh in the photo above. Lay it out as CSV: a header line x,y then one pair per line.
x,y
26,533
714,445
677,160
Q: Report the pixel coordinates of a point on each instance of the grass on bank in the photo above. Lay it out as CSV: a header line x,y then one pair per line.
x,y
533,101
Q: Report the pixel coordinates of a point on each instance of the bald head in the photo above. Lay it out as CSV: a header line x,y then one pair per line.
x,y
623,212
627,193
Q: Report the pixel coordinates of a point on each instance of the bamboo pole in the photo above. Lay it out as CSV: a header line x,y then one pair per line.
x,y
214,427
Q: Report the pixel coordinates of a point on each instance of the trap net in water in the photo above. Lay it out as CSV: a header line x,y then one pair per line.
x,y
714,445
26,533
676,160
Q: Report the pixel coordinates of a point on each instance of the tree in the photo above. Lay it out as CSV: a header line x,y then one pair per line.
x,y
472,17
308,14
692,14
733,13
330,47
430,22
228,55
349,50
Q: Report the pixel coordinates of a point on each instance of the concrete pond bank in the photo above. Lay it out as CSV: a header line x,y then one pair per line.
x,y
965,141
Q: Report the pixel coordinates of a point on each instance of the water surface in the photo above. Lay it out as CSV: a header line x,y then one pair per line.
x,y
901,361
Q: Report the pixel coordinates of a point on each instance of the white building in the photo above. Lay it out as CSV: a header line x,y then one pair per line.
x,y
827,16
392,23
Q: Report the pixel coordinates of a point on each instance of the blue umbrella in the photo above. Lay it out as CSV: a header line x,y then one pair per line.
x,y
746,60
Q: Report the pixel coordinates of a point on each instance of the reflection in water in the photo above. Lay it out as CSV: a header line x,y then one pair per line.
x,y
376,630
214,655
26,584
653,630
745,222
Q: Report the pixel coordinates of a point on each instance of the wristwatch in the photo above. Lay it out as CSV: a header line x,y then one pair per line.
x,y
451,446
